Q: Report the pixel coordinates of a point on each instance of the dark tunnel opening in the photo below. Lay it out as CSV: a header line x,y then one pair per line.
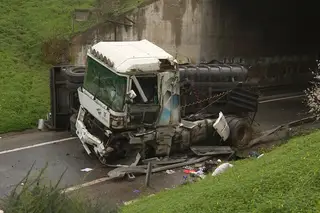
x,y
287,27
279,39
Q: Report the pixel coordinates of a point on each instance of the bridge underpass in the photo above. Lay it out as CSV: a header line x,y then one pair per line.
x,y
279,39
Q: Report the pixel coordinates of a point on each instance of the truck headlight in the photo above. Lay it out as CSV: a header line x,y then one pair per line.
x,y
117,122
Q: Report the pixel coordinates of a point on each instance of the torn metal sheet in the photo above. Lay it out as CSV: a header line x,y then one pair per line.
x,y
138,158
146,161
167,162
122,171
211,150
222,127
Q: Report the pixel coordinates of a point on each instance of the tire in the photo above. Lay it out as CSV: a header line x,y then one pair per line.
x,y
72,86
75,74
73,120
240,132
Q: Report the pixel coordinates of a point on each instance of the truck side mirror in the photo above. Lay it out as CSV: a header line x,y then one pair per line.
x,y
130,96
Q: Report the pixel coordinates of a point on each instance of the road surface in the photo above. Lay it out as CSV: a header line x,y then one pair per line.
x,y
19,151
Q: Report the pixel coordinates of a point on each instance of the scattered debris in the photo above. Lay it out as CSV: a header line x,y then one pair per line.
x,y
138,157
211,150
148,176
120,172
136,191
260,156
169,172
222,168
131,176
253,154
86,170
41,124
222,127
188,171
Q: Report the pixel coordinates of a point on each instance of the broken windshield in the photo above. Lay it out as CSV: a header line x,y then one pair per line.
x,y
105,85
148,85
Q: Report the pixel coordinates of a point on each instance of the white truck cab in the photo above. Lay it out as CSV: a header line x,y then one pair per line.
x,y
128,86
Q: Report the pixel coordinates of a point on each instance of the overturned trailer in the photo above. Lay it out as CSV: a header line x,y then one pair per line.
x,y
133,97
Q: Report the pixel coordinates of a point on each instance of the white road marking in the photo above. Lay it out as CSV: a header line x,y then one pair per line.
x,y
36,145
281,99
91,183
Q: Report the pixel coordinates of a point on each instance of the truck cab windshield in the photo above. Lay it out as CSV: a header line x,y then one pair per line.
x,y
105,85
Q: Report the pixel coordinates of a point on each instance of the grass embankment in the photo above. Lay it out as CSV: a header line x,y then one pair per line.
x,y
25,25
24,88
285,180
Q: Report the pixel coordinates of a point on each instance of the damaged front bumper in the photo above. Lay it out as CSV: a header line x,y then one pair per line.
x,y
87,138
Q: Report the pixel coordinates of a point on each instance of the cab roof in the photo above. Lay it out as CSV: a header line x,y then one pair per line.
x,y
127,56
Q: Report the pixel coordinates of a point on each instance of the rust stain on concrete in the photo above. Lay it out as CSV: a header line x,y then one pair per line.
x,y
173,11
195,4
141,22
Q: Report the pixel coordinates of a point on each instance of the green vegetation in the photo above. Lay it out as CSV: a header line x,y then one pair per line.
x,y
285,180
37,198
25,25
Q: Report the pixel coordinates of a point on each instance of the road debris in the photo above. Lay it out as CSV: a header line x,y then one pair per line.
x,y
222,168
222,127
170,172
148,176
260,156
253,154
41,124
86,170
211,150
188,171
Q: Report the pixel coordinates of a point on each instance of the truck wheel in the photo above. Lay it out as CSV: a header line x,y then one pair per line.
x,y
73,120
75,74
240,132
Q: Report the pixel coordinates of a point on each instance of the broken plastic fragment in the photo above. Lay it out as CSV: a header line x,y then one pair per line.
x,y
86,170
169,172
222,127
188,171
222,168
260,156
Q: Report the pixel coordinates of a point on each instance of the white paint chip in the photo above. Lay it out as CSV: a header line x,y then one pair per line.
x,y
86,170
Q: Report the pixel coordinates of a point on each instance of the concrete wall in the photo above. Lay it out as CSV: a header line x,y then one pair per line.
x,y
201,30
175,25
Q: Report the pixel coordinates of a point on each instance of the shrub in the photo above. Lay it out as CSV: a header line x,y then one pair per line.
x,y
32,196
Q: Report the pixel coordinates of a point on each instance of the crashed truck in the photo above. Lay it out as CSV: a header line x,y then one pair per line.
x,y
134,97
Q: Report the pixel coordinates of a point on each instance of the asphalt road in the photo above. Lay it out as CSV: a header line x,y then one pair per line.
x,y
58,157
16,161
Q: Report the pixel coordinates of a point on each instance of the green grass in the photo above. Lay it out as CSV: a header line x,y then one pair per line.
x,y
24,88
286,179
25,25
